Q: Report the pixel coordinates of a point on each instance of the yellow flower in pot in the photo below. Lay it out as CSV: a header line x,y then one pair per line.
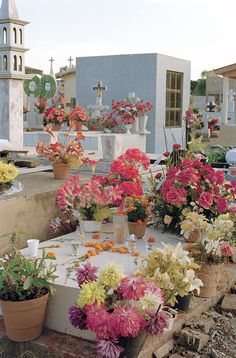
x,y
25,285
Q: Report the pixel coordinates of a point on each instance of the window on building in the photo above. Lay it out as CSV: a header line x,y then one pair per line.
x,y
20,64
14,35
4,36
21,37
15,63
174,96
5,64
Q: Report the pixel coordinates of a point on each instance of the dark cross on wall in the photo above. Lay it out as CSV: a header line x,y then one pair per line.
x,y
99,88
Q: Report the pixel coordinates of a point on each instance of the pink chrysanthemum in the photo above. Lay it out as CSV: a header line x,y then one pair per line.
x,y
152,288
100,321
86,273
132,287
78,317
127,321
156,323
108,349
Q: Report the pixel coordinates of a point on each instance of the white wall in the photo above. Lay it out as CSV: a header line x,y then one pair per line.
x,y
164,64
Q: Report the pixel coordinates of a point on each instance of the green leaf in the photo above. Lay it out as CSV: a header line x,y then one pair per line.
x,y
27,283
39,282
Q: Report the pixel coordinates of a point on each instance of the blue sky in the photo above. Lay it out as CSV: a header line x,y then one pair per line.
x,y
201,31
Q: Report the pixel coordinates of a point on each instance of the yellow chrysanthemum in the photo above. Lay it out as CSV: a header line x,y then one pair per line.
x,y
90,293
8,172
167,219
111,276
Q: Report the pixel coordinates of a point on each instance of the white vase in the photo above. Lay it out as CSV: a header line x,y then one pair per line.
x,y
128,128
90,226
234,255
142,123
171,314
135,127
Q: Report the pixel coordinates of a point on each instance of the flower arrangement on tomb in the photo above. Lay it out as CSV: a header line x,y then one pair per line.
x,y
78,117
212,121
40,105
143,108
122,181
109,122
139,209
192,186
125,110
55,116
172,269
8,173
66,152
92,200
117,308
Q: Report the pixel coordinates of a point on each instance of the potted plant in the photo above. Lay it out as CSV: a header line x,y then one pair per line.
x,y
142,114
63,156
8,173
54,116
192,226
210,253
172,269
92,202
25,285
119,309
78,117
109,122
191,186
139,212
216,157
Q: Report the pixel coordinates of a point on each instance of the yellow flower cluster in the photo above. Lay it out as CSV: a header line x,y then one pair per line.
x,y
90,293
193,221
8,172
111,276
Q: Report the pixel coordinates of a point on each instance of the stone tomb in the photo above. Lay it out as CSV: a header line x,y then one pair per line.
x,y
67,288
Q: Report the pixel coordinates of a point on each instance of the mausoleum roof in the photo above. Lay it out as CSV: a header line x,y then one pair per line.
x,y
227,71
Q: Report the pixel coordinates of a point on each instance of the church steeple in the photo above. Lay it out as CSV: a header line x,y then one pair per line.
x,y
12,50
8,10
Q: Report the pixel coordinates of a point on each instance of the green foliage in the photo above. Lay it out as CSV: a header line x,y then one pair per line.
x,y
23,279
93,212
217,155
200,88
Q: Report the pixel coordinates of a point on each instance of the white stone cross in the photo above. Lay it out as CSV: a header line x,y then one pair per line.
x,y
99,88
51,70
70,61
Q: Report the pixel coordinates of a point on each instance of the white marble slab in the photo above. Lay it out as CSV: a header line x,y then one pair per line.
x,y
67,288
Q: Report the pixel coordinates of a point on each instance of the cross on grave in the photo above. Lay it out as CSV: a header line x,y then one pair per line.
x,y
99,88
51,70
70,61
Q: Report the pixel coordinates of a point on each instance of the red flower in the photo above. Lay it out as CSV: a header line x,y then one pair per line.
x,y
221,205
176,146
166,154
205,200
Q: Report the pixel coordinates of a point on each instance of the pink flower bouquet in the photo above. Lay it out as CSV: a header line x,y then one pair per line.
x,y
77,117
116,307
55,116
192,185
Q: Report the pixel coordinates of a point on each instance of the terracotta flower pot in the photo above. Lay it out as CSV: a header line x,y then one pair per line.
x,y
24,320
60,170
210,276
194,236
138,229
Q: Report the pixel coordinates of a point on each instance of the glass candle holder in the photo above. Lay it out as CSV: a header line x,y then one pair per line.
x,y
120,228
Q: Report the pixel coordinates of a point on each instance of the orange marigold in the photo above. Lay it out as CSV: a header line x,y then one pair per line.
x,y
96,236
151,239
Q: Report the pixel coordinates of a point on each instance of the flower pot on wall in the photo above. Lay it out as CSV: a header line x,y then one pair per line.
x,y
210,276
60,170
128,128
138,229
24,320
90,226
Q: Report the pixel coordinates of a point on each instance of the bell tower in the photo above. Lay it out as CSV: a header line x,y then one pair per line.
x,y
12,73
